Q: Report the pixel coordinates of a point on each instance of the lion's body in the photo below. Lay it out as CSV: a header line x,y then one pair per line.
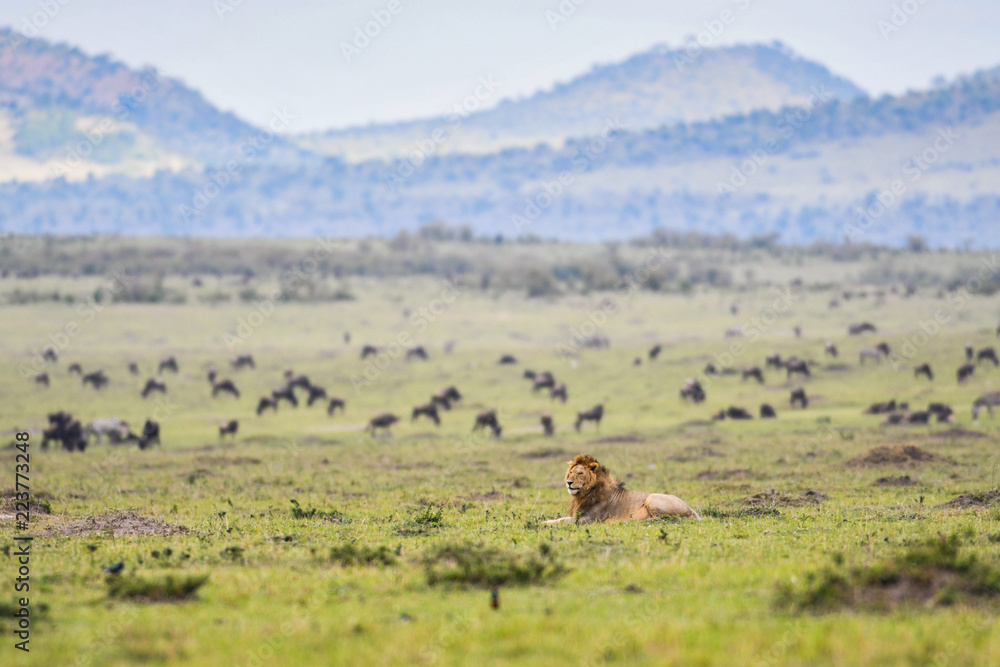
x,y
597,496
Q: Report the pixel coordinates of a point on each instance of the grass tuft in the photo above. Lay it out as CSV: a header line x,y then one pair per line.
x,y
478,565
166,589
351,554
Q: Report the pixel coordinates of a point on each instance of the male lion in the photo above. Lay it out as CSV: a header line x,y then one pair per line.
x,y
597,496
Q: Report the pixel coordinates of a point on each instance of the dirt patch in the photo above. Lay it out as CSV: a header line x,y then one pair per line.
x,y
39,502
775,498
901,480
974,499
226,460
492,496
694,454
740,473
614,439
958,432
119,523
545,454
893,455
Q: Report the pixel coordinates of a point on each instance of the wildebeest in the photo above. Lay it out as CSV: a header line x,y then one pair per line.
x,y
133,368
228,428
918,417
964,372
315,394
799,396
97,378
881,408
734,412
265,403
426,410
286,393
987,354
417,352
49,354
42,378
970,352
597,341
767,411
923,369
369,350
293,380
831,350
869,353
988,401
169,363
243,361
558,391
654,352
225,386
753,373
772,361
543,381
710,369
944,412
383,421
154,384
66,430
507,359
334,404
692,390
75,368
594,414
794,365
488,419
860,328
719,416
547,425
529,374
798,331
883,347
893,419
150,434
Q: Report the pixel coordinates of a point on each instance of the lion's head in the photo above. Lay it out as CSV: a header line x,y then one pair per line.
x,y
584,474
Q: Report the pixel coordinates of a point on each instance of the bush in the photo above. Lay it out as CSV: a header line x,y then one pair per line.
x,y
351,554
168,589
477,565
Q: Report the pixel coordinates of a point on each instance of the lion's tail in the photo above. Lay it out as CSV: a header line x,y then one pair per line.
x,y
696,515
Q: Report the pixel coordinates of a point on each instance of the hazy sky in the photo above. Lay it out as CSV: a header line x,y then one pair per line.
x,y
269,53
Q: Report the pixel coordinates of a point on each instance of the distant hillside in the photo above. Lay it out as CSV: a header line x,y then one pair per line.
x,y
59,105
657,88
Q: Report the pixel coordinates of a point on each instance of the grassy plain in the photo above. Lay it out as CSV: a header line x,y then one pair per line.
x,y
659,592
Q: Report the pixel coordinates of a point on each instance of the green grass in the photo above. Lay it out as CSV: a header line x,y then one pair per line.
x,y
351,572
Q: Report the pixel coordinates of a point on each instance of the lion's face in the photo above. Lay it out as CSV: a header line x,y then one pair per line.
x,y
579,478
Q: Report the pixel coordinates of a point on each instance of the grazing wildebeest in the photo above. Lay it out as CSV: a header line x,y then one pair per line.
x,y
799,396
767,411
446,397
286,393
596,341
772,361
426,410
964,372
637,362
857,329
798,331
988,401
383,421
558,391
719,416
543,381
831,350
970,352
894,419
507,359
66,430
488,419
154,384
753,373
881,408
98,379
654,352
869,353
883,347
169,363
595,414
692,390
73,438
918,417
133,368
243,361
228,428
417,352
923,369
734,412
293,380
944,412
334,404
213,373
75,368
734,332
49,354
226,386
547,424
315,394
369,351
150,434
794,365
987,354
42,378
265,403
529,374
710,369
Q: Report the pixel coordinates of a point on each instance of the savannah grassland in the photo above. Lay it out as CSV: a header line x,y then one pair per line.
x,y
659,592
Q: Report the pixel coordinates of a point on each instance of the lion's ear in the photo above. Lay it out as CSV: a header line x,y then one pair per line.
x,y
594,465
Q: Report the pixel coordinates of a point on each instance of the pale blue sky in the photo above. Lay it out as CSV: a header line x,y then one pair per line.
x,y
265,53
